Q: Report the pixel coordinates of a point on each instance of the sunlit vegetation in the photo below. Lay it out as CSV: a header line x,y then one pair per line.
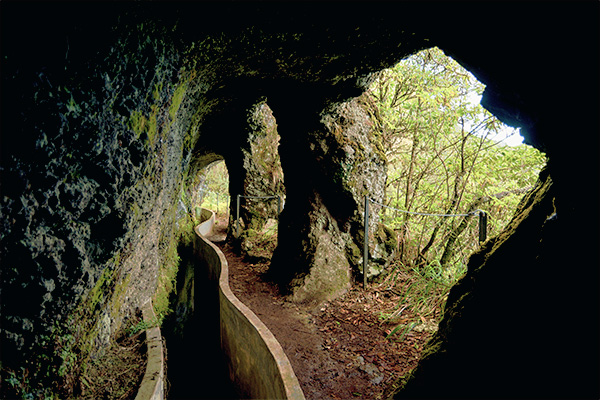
x,y
214,191
446,155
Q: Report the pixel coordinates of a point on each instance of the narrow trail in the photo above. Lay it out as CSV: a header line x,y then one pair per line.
x,y
338,350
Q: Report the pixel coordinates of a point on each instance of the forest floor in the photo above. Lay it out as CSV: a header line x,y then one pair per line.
x,y
341,349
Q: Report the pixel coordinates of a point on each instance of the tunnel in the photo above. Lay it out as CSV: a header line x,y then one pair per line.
x,y
110,110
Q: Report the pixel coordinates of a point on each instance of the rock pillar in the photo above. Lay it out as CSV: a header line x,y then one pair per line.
x,y
330,162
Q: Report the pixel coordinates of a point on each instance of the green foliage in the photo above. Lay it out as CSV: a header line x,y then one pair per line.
x,y
445,155
423,295
176,101
215,189
167,279
20,384
143,325
58,356
217,178
403,329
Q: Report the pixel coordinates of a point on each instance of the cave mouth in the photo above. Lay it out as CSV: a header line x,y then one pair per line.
x,y
448,161
440,161
110,173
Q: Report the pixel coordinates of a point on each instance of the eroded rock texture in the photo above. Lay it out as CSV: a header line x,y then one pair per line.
x,y
110,111
341,163
263,190
90,175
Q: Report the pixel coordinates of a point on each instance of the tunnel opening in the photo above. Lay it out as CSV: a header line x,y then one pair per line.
x,y
244,188
444,180
212,193
448,161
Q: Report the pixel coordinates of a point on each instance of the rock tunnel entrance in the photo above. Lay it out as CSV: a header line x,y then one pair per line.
x,y
246,187
416,140
189,329
447,158
438,156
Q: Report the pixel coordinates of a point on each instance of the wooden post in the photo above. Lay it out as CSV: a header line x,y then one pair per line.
x,y
237,217
278,206
366,243
482,226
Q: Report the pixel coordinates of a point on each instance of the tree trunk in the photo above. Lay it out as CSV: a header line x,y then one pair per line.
x,y
407,195
454,233
454,203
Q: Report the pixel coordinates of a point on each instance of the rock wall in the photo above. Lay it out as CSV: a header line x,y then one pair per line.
x,y
262,176
262,167
331,161
109,111
94,151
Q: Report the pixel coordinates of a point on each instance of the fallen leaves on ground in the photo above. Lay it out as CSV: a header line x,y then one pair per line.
x,y
354,358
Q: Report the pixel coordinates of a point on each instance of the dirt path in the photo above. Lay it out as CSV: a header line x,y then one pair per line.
x,y
339,350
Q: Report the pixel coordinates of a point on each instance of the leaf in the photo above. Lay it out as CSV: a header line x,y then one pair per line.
x,y
405,330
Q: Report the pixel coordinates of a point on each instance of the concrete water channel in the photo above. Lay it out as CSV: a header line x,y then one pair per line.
x,y
217,347
196,366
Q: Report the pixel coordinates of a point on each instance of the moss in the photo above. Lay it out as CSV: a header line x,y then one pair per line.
x,y
119,294
166,283
152,129
158,87
74,343
142,125
386,236
137,123
181,234
167,274
176,100
97,294
354,252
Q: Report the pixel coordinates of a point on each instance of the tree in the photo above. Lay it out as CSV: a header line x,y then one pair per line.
x,y
443,156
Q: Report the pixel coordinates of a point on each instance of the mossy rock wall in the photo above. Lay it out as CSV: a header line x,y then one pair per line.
x,y
481,316
331,162
109,111
93,195
262,176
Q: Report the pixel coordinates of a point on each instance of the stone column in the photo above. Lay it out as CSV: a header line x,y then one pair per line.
x,y
330,163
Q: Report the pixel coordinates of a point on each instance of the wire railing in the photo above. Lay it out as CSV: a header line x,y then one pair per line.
x,y
217,195
367,201
482,227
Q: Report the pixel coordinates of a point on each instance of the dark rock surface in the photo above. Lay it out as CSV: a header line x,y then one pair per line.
x,y
109,110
